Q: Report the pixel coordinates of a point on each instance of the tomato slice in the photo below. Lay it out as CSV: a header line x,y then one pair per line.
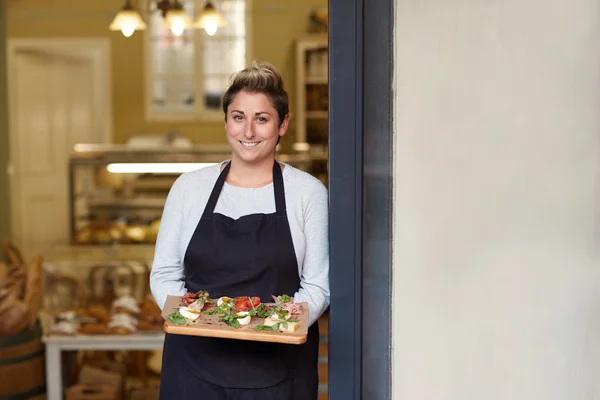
x,y
245,303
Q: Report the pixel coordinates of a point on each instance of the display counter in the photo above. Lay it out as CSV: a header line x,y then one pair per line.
x,y
117,193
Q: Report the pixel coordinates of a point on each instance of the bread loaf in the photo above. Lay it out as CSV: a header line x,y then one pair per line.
x,y
33,288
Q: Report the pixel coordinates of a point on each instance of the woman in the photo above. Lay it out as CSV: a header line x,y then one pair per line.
x,y
249,226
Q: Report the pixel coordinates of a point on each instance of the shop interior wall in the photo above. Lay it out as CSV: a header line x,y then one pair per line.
x,y
497,199
4,204
274,27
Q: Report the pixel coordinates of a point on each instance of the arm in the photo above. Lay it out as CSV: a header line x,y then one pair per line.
x,y
314,283
166,277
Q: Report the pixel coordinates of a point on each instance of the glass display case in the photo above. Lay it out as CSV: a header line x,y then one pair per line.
x,y
117,193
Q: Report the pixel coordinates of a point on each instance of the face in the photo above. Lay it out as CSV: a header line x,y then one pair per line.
x,y
252,128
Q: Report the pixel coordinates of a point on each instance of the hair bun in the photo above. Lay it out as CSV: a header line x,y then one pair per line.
x,y
260,77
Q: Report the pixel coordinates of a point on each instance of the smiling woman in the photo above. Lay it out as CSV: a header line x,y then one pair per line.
x,y
247,227
253,130
256,117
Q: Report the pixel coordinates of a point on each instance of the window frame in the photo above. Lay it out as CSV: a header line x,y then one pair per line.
x,y
200,114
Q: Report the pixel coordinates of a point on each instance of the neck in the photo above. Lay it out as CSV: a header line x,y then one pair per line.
x,y
244,174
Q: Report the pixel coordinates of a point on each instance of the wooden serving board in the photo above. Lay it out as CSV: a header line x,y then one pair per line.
x,y
210,326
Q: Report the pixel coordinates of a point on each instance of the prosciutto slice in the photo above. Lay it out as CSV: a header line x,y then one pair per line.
x,y
290,306
190,298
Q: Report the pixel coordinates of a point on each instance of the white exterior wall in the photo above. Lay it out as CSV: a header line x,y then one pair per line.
x,y
497,200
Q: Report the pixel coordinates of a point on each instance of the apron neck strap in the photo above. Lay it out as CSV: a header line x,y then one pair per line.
x,y
277,187
214,195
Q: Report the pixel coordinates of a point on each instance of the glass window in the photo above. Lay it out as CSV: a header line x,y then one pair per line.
x,y
187,75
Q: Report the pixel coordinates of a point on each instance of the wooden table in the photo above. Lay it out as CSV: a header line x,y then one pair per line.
x,y
56,344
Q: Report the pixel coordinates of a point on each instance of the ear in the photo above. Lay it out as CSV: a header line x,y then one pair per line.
x,y
284,125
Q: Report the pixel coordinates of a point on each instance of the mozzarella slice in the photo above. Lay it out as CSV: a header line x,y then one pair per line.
x,y
246,318
278,317
270,321
223,300
189,313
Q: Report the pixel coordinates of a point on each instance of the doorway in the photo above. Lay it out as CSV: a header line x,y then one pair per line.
x,y
360,191
58,95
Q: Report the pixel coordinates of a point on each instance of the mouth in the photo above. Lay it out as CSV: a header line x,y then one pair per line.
x,y
248,145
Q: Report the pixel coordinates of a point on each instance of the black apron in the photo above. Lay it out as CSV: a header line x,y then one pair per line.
x,y
251,256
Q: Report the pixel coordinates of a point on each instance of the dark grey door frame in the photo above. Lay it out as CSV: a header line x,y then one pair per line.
x,y
360,192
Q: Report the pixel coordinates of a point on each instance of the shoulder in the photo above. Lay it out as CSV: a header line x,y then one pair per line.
x,y
205,174
197,180
303,184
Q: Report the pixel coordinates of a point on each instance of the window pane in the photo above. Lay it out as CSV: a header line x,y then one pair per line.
x,y
234,12
214,88
224,53
173,95
173,55
173,61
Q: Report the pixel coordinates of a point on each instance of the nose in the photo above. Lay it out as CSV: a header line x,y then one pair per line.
x,y
250,131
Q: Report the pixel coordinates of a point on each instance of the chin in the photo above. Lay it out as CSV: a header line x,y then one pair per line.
x,y
246,159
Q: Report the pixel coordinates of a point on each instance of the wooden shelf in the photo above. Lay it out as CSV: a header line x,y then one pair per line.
x,y
138,202
306,77
311,101
317,114
316,80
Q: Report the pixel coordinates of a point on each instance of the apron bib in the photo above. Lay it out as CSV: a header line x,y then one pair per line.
x,y
251,256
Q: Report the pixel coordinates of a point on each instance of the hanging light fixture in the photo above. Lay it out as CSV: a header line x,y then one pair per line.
x,y
128,20
177,19
210,19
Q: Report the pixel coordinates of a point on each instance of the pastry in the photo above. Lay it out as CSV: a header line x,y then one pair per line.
x,y
93,329
99,313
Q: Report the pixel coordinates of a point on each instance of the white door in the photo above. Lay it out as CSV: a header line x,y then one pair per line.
x,y
56,100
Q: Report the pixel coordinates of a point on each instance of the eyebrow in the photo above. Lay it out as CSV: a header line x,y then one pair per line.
x,y
257,113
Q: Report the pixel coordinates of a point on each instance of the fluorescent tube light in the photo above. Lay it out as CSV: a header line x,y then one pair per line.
x,y
155,168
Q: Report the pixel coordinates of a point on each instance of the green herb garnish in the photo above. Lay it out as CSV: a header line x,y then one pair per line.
x,y
285,298
231,320
177,319
261,311
265,328
224,308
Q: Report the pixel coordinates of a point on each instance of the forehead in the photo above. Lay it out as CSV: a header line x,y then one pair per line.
x,y
247,100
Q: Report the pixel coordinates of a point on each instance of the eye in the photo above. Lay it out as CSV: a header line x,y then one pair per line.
x,y
261,119
237,117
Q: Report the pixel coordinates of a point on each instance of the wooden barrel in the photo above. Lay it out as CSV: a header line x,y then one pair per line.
x,y
22,366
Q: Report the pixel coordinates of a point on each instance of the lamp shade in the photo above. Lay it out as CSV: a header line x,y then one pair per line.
x,y
177,20
210,19
128,20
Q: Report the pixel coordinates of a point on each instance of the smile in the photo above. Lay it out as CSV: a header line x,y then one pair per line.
x,y
249,144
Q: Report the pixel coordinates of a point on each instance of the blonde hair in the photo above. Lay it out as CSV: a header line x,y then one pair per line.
x,y
261,77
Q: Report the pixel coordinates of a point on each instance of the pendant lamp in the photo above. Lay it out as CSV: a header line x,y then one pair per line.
x,y
128,20
177,19
210,19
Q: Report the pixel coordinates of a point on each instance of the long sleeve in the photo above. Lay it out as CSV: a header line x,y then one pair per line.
x,y
314,284
167,275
